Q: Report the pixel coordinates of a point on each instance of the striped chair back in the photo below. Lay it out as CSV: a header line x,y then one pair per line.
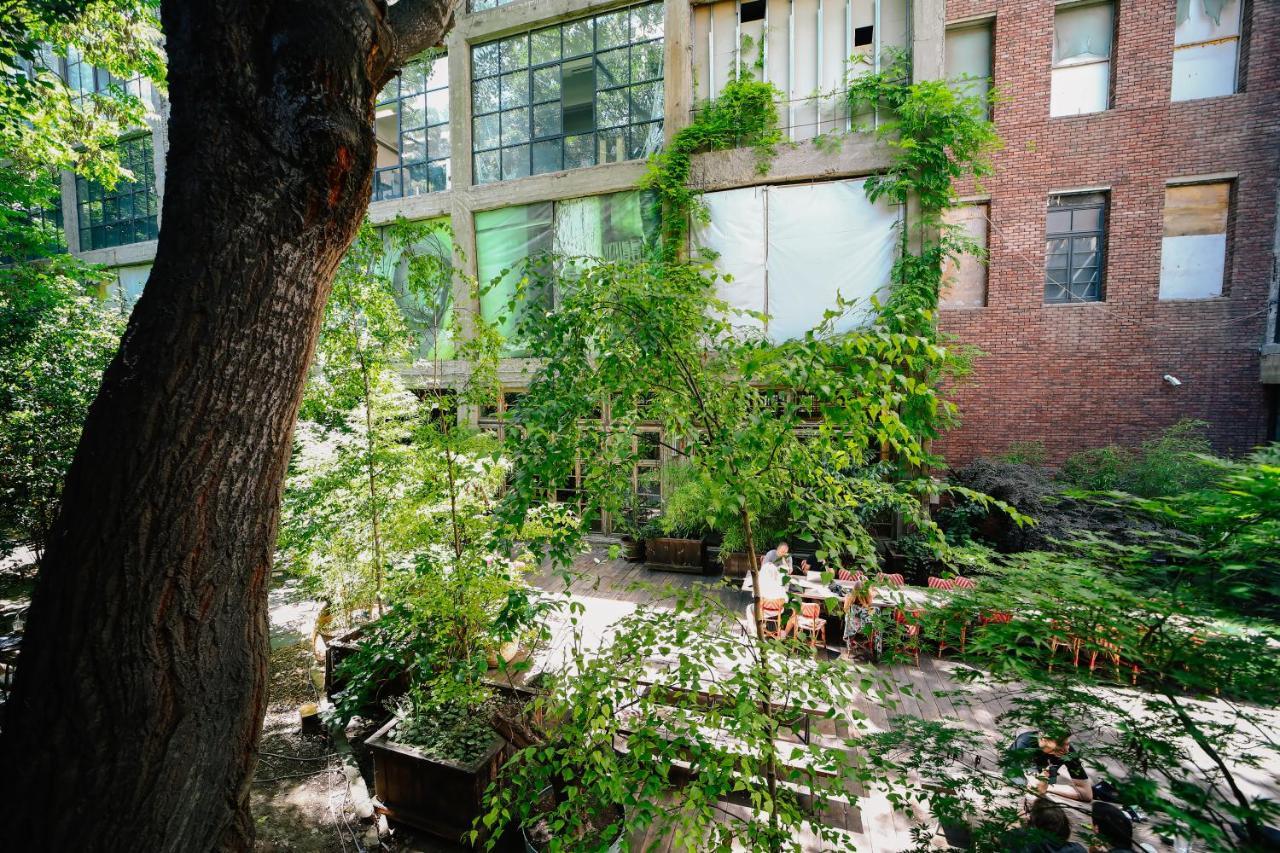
x,y
892,580
963,583
940,583
773,605
844,575
811,610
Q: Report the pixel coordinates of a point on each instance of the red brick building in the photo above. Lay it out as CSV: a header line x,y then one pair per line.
x,y
1175,151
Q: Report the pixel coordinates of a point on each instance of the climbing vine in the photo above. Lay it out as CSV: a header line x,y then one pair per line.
x,y
743,115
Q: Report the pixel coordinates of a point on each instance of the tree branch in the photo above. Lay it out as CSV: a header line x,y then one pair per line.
x,y
417,25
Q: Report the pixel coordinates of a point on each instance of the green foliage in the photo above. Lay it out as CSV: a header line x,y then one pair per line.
x,y
1025,453
444,731
744,114
1169,605
1171,463
936,138
56,338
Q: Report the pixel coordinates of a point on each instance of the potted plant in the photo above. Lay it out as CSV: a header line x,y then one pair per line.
x,y
632,528
675,539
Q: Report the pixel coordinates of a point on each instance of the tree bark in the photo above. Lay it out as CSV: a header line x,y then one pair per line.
x,y
141,685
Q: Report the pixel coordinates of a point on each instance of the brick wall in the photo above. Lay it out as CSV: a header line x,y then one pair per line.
x,y
1083,375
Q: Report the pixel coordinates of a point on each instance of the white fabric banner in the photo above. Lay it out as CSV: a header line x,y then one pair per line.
x,y
825,239
736,233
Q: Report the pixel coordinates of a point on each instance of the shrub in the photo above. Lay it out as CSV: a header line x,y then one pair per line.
x,y
1169,464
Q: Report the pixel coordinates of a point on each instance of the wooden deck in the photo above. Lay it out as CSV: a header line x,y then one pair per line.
x,y
610,589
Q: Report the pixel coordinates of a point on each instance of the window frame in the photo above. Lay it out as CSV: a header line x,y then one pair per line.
x,y
987,23
1110,60
1055,204
1237,70
143,228
403,167
490,163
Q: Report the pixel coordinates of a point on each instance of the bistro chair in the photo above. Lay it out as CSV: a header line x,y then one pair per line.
x,y
1105,648
963,583
1062,638
772,608
891,580
910,633
812,623
941,583
844,575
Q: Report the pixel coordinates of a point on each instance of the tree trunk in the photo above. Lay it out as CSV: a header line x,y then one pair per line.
x,y
141,686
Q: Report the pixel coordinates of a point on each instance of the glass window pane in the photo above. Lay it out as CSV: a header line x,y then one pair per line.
x,y
515,89
578,38
579,151
546,120
611,108
546,84
484,95
1082,33
1059,221
646,102
438,141
515,162
613,68
484,60
611,146
485,132
546,46
513,53
546,156
515,126
646,62
486,167
646,22
613,29
438,106
1089,219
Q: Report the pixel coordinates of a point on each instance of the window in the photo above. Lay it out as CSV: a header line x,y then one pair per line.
x,y
126,213
1074,248
621,226
412,124
85,79
1081,59
1206,49
575,94
129,284
1193,254
429,315
969,61
964,279
792,252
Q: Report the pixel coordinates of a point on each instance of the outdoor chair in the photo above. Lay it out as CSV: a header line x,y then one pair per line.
x,y
1108,649
1056,642
963,583
941,583
910,633
812,623
891,580
846,575
772,608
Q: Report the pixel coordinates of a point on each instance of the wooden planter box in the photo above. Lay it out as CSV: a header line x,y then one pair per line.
x,y
675,555
336,651
736,564
632,549
436,796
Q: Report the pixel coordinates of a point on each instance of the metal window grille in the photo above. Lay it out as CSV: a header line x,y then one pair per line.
x,y
575,94
1074,246
412,128
127,212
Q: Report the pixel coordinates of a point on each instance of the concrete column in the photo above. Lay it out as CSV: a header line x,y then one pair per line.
x,y
158,120
677,58
70,214
459,110
928,39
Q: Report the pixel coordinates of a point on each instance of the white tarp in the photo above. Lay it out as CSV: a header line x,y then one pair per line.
x,y
735,233
825,239
1191,266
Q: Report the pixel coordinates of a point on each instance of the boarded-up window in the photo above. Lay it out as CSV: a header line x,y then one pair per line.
x,y
964,281
1194,251
794,251
969,61
1081,59
801,46
1206,49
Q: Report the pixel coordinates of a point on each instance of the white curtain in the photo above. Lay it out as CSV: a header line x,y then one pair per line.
x,y
735,233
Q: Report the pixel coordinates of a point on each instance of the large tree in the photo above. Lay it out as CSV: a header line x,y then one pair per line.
x,y
141,686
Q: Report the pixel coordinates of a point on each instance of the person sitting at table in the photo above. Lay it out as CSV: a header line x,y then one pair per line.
x,y
780,556
859,613
1047,831
1050,755
771,586
1113,828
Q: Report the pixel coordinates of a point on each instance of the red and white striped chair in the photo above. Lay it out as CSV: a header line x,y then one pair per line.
x,y
891,580
772,609
844,575
963,583
811,622
941,583
910,634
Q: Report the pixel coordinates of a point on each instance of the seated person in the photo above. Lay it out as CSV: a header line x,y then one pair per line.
x,y
1050,755
1047,831
780,556
1113,828
771,585
859,616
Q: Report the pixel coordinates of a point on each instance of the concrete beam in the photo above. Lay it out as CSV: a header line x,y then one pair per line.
x,y
128,255
526,15
427,206
859,154
554,186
